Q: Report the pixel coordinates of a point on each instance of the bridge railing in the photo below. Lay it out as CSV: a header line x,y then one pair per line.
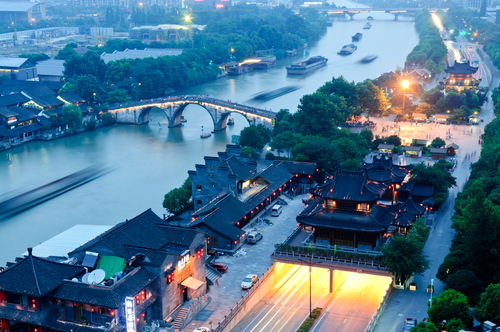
x,y
194,98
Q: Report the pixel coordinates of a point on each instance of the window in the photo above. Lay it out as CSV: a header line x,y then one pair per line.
x,y
198,187
79,313
14,298
198,202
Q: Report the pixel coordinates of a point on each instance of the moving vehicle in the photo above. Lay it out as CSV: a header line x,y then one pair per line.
x,y
348,49
254,237
367,26
276,210
249,281
410,322
219,266
202,329
357,36
368,58
306,66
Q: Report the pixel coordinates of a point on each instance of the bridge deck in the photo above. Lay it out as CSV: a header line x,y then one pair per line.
x,y
194,99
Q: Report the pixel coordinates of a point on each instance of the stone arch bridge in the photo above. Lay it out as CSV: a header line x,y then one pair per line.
x,y
137,112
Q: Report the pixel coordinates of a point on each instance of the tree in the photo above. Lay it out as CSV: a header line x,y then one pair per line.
x,y
393,139
425,108
467,283
179,200
72,116
319,150
88,87
404,257
316,115
251,137
368,135
35,57
449,305
249,150
284,142
452,263
88,64
107,119
117,96
455,325
271,36
435,175
452,101
284,122
488,307
438,143
424,327
264,132
372,99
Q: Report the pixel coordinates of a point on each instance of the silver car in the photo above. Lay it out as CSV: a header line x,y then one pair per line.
x,y
249,281
254,237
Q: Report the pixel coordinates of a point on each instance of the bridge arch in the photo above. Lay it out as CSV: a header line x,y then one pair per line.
x,y
175,116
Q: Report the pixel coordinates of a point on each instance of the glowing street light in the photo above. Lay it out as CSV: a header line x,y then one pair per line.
x,y
404,84
310,263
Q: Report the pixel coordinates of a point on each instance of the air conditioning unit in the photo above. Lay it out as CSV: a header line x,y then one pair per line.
x,y
489,326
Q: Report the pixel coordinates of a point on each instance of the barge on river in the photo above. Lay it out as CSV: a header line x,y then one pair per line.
x,y
306,66
357,37
348,49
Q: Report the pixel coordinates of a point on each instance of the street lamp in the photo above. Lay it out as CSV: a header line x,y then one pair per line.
x,y
310,264
404,84
432,291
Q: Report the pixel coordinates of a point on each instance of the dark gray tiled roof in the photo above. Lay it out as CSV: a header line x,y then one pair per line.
x,y
141,232
38,91
48,101
461,68
45,318
23,114
422,190
19,130
7,112
109,297
13,99
71,97
297,167
10,86
346,186
236,167
276,175
36,276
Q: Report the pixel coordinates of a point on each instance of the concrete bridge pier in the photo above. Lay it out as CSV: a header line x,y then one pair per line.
x,y
396,15
351,15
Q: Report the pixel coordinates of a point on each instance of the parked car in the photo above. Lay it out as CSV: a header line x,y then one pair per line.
x,y
202,329
254,237
249,281
219,266
276,210
410,322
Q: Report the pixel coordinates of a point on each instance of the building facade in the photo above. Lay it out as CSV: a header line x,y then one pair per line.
x,y
460,78
138,271
359,209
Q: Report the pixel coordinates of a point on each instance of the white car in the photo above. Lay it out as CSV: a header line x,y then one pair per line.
x,y
254,237
249,281
202,329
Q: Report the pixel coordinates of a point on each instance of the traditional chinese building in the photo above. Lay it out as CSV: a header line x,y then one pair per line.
x,y
358,209
460,78
228,192
137,271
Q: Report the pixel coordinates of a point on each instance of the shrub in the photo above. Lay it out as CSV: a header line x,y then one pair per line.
x,y
269,156
107,119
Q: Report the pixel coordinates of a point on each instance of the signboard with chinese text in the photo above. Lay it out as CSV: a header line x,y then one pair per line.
x,y
130,314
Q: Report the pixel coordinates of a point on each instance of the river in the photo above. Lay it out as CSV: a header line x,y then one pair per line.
x,y
150,160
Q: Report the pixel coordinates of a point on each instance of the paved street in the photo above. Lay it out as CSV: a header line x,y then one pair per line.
x,y
256,260
404,303
354,301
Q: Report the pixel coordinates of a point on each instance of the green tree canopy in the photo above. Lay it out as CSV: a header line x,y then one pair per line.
x,y
316,115
438,143
424,327
450,305
467,283
435,175
179,200
488,307
250,136
72,116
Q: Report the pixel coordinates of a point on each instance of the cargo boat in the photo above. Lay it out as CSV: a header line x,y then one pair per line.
x,y
238,70
368,58
306,66
357,36
263,96
367,26
348,49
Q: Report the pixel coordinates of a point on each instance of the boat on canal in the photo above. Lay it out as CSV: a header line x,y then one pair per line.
x,y
368,58
239,70
304,67
367,26
357,37
18,203
348,49
290,53
268,95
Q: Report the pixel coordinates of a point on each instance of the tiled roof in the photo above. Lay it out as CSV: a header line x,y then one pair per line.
x,y
23,114
422,190
438,150
236,167
383,170
296,167
461,68
19,130
37,92
141,232
71,97
106,296
175,235
13,99
409,206
45,317
36,276
7,113
224,215
12,86
346,186
276,175
48,101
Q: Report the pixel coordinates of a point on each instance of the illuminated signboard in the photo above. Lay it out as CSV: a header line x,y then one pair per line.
x,y
130,314
183,261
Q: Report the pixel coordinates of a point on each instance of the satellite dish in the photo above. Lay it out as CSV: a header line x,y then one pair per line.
x,y
74,279
85,278
91,278
99,276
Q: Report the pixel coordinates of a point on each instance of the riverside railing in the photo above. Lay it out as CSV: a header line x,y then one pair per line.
x,y
227,319
367,263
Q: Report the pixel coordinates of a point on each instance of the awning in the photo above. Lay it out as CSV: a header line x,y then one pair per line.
x,y
192,283
111,265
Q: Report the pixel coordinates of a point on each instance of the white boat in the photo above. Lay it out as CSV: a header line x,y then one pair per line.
x,y
306,66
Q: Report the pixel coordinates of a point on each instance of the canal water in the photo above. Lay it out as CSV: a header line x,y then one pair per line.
x,y
150,160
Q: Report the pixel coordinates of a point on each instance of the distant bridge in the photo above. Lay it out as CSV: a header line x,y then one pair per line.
x,y
353,11
137,112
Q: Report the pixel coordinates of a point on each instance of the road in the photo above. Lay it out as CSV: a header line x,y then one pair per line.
x,y
354,301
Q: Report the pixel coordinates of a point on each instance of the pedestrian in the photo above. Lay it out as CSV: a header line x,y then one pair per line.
x,y
217,282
